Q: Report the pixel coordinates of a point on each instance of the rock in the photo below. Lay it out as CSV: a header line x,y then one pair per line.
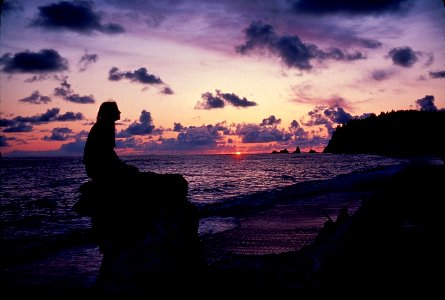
x,y
147,231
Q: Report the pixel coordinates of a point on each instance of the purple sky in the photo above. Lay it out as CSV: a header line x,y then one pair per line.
x,y
212,76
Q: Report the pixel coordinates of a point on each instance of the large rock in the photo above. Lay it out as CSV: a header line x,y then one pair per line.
x,y
147,231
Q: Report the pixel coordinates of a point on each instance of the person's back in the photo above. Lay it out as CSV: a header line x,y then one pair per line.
x,y
100,159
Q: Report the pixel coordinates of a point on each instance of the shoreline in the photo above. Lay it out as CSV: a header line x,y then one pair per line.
x,y
393,238
280,257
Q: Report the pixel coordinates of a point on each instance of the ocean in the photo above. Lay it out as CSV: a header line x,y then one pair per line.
x,y
42,235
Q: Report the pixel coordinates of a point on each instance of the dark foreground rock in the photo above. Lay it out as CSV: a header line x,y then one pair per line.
x,y
394,240
147,231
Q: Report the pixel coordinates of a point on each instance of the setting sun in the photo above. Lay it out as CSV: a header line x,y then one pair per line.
x,y
238,153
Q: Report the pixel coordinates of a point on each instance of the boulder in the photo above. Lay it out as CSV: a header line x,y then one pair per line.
x,y
147,231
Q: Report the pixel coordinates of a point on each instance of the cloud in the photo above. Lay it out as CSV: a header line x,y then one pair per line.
x,y
73,148
290,49
59,134
270,121
426,103
297,131
367,43
44,61
197,137
167,91
438,74
209,101
8,7
351,7
143,127
178,127
78,16
36,98
19,127
403,56
3,141
253,133
65,92
327,116
86,60
380,75
141,75
24,124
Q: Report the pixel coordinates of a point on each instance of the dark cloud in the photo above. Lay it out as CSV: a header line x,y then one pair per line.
x,y
349,6
36,98
367,43
21,124
219,127
189,139
297,131
178,127
141,75
327,116
209,101
44,61
65,92
19,127
235,100
78,16
426,103
3,141
270,121
197,137
253,133
294,124
51,115
73,148
438,74
59,134
292,51
337,115
86,60
403,56
380,75
167,91
143,127
39,77
8,7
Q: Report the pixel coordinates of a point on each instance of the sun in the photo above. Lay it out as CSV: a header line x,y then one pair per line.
x,y
238,153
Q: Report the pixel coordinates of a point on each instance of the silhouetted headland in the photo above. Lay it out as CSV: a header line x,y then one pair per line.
x,y
397,133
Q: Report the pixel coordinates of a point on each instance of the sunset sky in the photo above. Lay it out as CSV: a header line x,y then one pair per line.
x,y
212,76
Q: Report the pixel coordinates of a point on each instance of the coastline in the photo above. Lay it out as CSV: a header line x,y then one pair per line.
x,y
391,243
267,259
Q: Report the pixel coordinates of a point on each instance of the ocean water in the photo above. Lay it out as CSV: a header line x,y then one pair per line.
x,y
37,194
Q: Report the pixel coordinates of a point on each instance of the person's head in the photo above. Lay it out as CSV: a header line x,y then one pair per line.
x,y
108,111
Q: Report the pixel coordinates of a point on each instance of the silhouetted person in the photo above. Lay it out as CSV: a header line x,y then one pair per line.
x,y
100,159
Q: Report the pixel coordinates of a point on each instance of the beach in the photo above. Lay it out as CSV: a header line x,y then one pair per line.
x,y
390,243
392,232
